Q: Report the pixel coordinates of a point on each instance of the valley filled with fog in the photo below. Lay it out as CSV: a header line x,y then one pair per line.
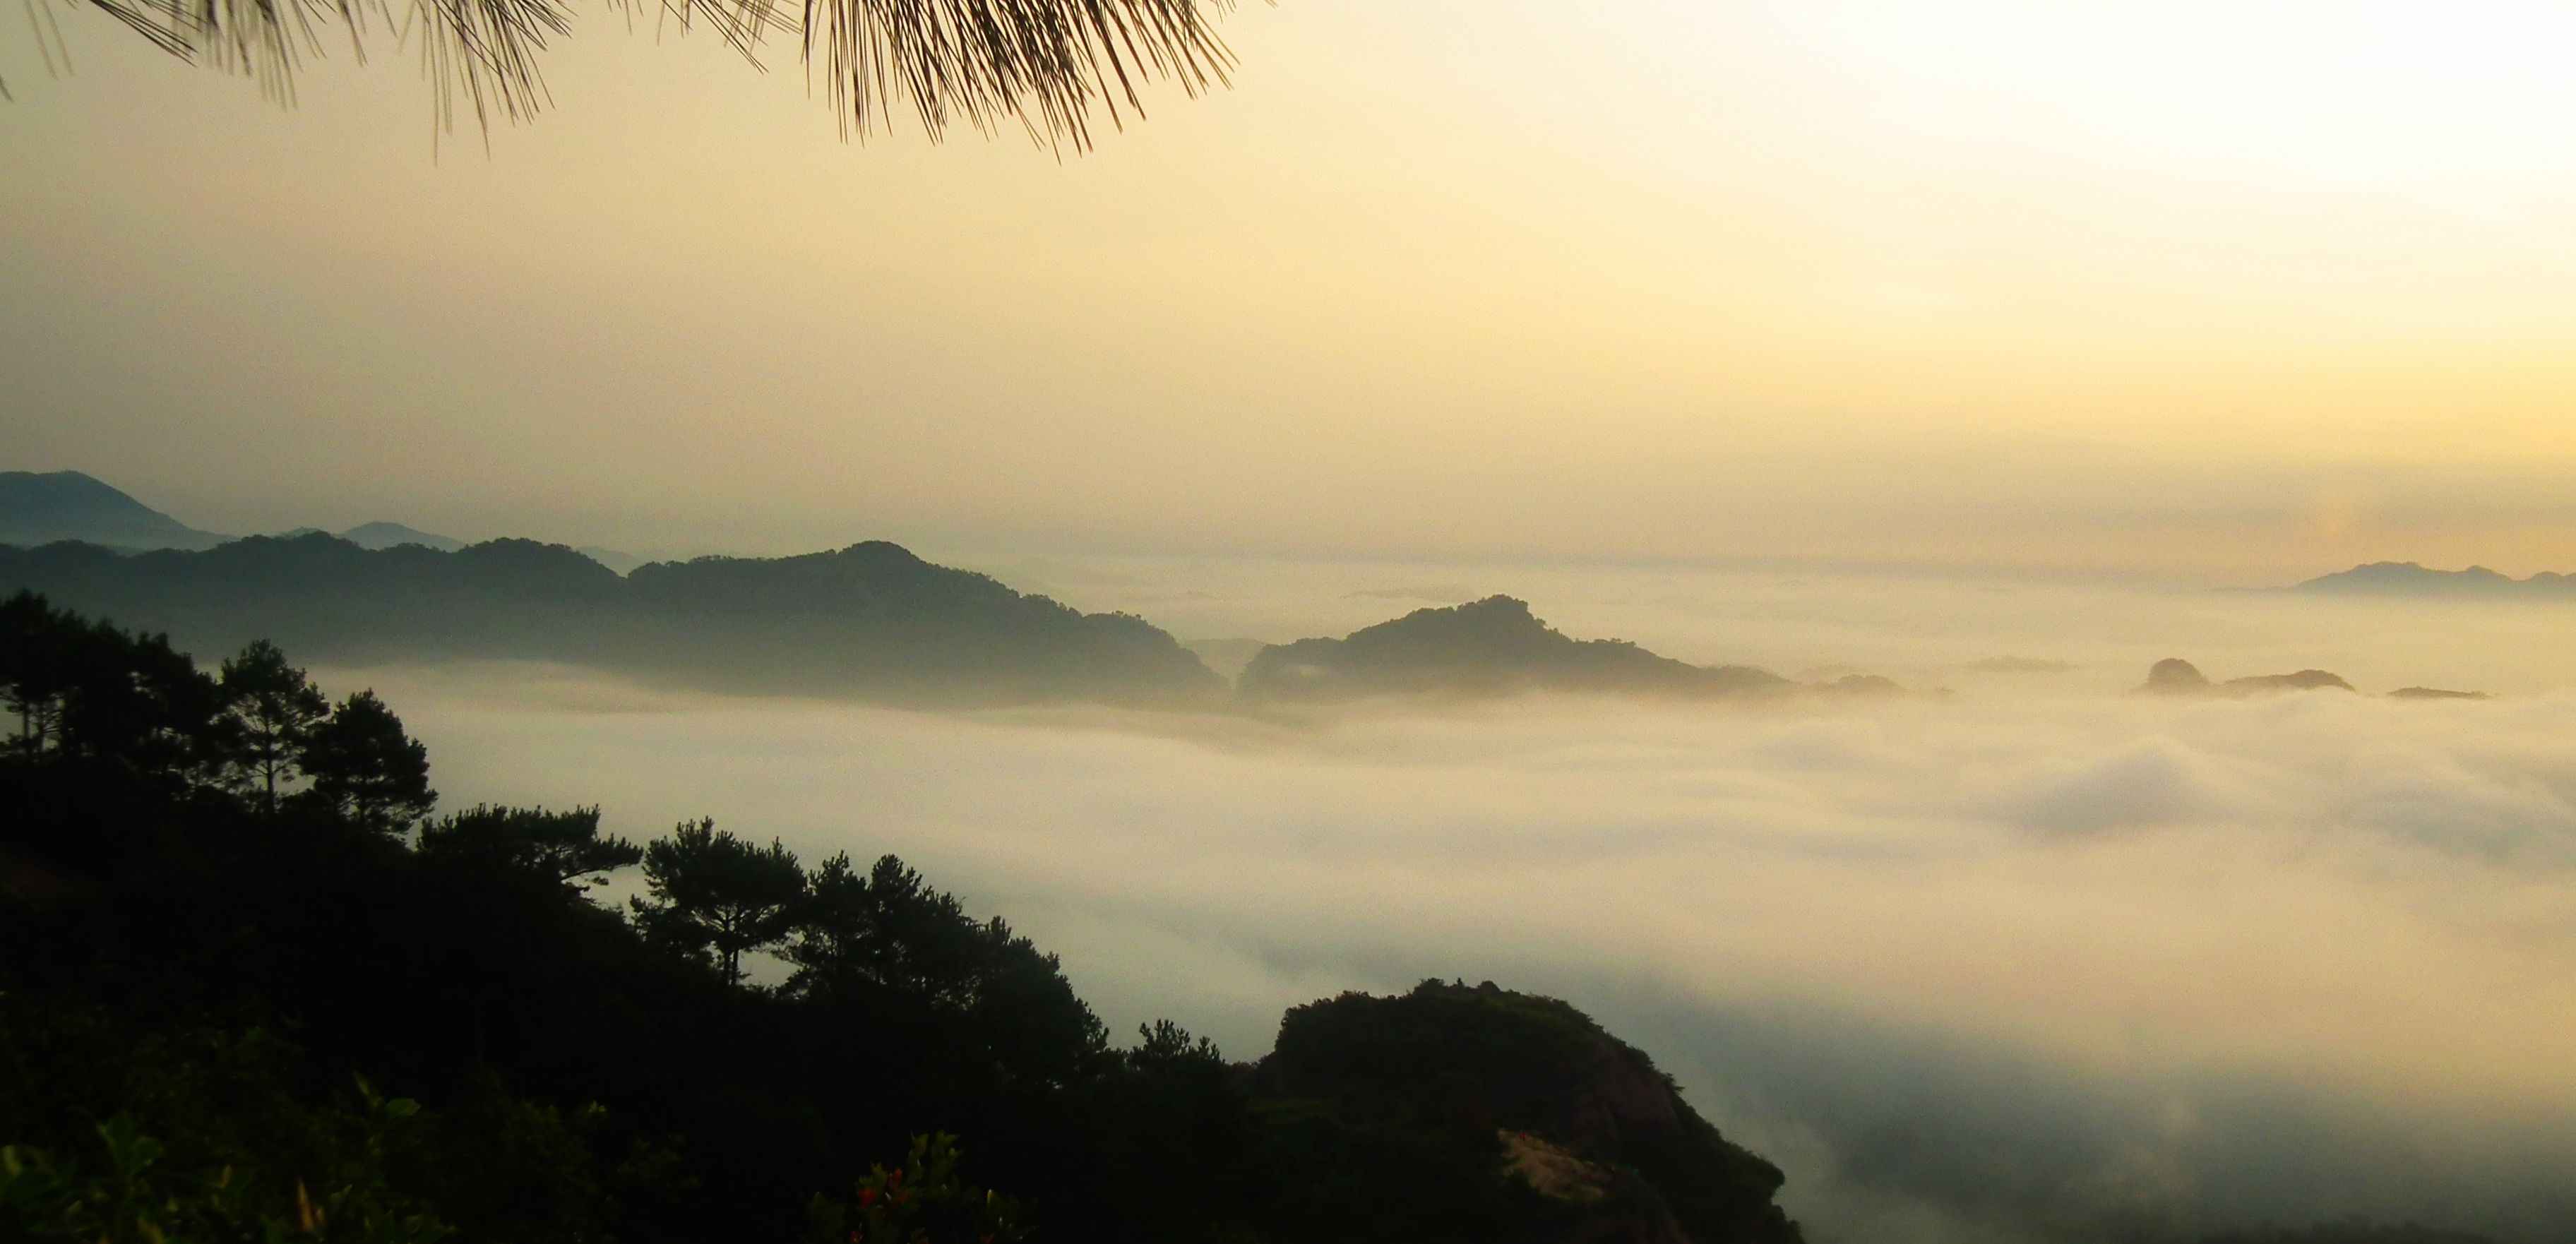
x,y
1989,582
2030,959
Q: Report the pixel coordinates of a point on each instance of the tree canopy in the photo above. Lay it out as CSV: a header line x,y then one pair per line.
x,y
365,767
715,894
274,709
565,848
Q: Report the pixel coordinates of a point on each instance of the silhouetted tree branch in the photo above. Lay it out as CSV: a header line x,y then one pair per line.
x,y
1050,65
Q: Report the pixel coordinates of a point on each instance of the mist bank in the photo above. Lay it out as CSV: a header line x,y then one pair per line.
x,y
870,621
1496,647
1984,634
874,623
2047,968
2411,579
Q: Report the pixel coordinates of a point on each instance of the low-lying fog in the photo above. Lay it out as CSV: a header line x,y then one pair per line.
x,y
2036,961
1921,629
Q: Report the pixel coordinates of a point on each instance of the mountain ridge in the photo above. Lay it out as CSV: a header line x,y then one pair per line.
x,y
2415,579
1497,647
870,621
42,507
384,535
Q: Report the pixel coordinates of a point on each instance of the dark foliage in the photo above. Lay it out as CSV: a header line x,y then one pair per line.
x,y
316,1028
563,847
274,709
1047,64
365,769
716,896
1461,1065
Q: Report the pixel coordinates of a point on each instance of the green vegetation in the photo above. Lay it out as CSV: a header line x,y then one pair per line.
x,y
251,990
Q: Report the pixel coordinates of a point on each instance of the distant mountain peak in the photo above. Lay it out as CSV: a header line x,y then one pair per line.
x,y
43,507
2175,676
884,552
1493,646
385,535
2415,579
1492,617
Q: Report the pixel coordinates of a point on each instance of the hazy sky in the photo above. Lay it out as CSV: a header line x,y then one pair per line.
x,y
2238,292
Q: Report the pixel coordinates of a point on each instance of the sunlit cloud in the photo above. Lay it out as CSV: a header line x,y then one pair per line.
x,y
1976,966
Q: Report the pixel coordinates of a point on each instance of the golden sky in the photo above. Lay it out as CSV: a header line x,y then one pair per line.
x,y
2228,291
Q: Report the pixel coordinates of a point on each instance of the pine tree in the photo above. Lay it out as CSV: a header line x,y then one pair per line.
x,y
365,767
715,894
273,710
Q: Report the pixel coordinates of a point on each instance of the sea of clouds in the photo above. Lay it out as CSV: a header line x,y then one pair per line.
x,y
2038,960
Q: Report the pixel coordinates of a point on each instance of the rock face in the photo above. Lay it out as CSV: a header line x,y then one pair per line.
x,y
1494,646
2175,676
1579,1125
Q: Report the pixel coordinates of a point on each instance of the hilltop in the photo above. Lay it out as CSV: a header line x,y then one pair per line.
x,y
43,507
1494,646
381,535
870,621
2410,579
2175,676
1574,1114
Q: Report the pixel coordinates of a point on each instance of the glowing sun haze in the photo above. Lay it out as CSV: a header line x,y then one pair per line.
x,y
2233,292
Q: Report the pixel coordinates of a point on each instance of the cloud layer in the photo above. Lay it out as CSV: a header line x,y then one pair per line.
x,y
1971,969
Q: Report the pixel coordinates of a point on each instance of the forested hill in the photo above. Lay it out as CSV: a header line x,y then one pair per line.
x,y
254,987
1495,646
870,621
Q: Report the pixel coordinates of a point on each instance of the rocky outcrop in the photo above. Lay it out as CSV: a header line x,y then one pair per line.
x,y
1544,1101
1497,647
2304,680
2175,676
